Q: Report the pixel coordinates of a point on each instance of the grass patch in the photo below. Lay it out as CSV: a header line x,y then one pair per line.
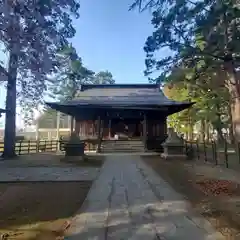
x,y
39,210
219,209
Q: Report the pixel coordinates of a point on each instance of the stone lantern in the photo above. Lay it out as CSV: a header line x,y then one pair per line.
x,y
174,147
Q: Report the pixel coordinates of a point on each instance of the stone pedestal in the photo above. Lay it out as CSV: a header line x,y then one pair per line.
x,y
173,146
74,149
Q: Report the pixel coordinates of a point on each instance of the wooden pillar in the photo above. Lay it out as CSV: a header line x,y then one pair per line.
x,y
99,134
77,127
109,128
74,124
71,124
37,130
145,132
37,135
84,129
58,125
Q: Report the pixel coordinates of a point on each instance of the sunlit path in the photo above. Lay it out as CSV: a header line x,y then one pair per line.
x,y
129,201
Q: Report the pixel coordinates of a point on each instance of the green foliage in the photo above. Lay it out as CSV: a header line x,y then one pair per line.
x,y
67,82
202,36
103,77
70,77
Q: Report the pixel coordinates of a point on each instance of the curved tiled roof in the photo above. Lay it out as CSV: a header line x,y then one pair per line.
x,y
124,94
121,95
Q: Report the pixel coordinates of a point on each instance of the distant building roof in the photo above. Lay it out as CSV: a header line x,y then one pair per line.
x,y
144,96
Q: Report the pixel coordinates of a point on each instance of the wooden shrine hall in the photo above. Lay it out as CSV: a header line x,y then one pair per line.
x,y
121,111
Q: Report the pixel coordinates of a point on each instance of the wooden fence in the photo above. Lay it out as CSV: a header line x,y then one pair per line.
x,y
224,154
34,146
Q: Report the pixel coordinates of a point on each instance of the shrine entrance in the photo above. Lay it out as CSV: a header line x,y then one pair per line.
x,y
126,128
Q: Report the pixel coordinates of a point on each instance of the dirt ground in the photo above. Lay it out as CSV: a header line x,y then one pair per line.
x,y
39,210
51,159
216,200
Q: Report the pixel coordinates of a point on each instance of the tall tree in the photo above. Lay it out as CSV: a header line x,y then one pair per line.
x,y
69,78
32,32
202,35
65,85
103,77
212,99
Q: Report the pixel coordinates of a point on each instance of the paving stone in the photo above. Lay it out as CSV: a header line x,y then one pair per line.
x,y
129,201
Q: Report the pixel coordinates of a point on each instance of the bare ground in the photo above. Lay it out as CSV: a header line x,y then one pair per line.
x,y
39,210
217,201
51,159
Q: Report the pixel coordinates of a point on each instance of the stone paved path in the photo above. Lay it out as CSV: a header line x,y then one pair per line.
x,y
129,201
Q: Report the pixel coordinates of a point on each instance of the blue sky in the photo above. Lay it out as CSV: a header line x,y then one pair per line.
x,y
109,37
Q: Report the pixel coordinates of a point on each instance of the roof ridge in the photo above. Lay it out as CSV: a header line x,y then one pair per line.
x,y
85,87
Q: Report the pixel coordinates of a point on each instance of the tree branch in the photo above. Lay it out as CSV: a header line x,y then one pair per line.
x,y
4,71
153,3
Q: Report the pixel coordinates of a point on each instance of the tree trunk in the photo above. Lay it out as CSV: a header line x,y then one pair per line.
x,y
10,122
220,137
207,131
202,136
191,137
234,90
231,130
217,125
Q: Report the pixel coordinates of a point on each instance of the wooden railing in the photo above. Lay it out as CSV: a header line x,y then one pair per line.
x,y
34,146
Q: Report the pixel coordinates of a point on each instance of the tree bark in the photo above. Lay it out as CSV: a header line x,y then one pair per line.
x,y
10,122
233,85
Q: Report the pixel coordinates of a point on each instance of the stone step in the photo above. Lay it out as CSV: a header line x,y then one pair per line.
x,y
121,150
122,146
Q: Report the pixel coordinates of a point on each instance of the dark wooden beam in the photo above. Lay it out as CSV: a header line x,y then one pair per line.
x,y
99,133
145,131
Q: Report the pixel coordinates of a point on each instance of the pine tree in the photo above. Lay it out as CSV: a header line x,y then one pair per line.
x,y
32,32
